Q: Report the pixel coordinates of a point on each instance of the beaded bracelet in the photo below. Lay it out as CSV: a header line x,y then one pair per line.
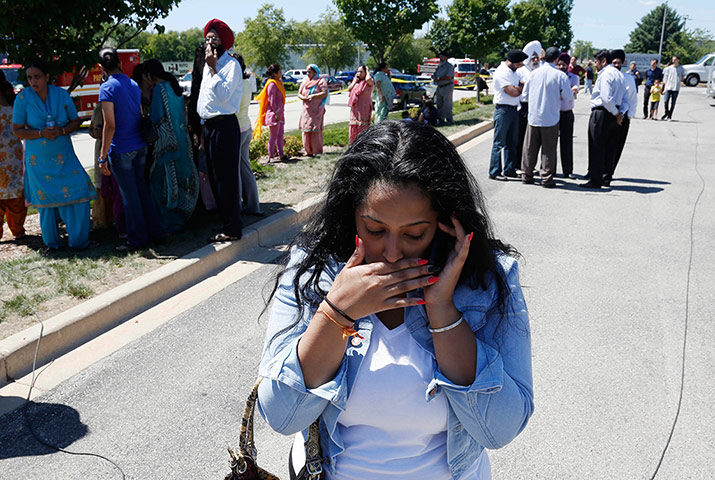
x,y
340,312
448,327
347,331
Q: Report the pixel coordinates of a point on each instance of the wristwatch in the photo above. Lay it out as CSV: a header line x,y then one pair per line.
x,y
101,160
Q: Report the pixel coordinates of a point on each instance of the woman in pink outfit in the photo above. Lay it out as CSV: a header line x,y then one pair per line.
x,y
314,94
360,102
271,103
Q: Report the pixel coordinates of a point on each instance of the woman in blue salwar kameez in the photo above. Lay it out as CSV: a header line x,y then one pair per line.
x,y
55,181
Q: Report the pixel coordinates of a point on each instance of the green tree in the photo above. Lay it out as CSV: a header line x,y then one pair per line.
x,y
265,38
441,37
690,45
645,38
548,21
169,46
582,49
334,46
478,27
68,35
410,52
382,24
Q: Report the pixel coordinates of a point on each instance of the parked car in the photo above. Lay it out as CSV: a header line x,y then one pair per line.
x,y
334,85
407,93
289,79
13,74
395,73
698,72
345,76
298,74
185,83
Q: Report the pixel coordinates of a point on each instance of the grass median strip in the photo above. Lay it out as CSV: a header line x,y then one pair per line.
x,y
30,282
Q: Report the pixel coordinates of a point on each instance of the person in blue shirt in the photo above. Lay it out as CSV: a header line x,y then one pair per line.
x,y
651,75
399,321
123,152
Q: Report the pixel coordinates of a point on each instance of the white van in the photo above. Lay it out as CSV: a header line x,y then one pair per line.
x,y
698,72
299,75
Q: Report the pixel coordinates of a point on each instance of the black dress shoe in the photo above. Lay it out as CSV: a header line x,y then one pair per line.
x,y
589,184
223,237
511,175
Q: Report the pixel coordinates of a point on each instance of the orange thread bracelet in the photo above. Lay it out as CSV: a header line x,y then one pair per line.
x,y
347,331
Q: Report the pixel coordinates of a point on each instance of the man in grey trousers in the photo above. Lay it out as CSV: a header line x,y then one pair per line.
x,y
544,90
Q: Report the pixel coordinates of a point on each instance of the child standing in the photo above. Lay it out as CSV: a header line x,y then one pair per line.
x,y
655,92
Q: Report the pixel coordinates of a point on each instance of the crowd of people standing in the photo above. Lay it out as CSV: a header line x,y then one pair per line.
x,y
534,97
148,188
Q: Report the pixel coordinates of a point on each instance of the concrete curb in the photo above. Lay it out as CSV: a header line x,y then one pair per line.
x,y
76,326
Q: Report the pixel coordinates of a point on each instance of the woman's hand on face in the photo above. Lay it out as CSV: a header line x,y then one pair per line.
x,y
362,289
441,293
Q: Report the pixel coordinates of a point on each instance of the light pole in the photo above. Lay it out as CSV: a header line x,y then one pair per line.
x,y
662,30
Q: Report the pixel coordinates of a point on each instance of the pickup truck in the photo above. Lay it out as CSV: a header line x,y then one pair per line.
x,y
698,72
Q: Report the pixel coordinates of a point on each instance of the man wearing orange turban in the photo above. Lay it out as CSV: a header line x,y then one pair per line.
x,y
219,100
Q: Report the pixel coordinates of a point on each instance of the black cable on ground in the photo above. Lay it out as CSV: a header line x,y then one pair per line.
x,y
687,307
24,408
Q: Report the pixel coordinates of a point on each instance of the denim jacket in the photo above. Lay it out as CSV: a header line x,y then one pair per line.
x,y
489,413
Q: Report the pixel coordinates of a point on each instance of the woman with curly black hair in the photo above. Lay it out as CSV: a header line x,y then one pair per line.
x,y
399,321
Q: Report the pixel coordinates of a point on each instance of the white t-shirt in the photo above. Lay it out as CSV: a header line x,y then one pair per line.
x,y
504,76
389,430
672,76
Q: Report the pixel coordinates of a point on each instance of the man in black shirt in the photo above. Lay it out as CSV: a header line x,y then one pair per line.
x,y
651,75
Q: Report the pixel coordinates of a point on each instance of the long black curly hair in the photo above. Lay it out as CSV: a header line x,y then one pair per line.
x,y
400,154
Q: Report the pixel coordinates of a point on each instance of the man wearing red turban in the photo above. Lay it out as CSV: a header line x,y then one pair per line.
x,y
222,30
219,101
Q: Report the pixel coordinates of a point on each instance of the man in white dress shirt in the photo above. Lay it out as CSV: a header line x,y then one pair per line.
x,y
621,132
219,101
533,53
507,89
608,104
544,91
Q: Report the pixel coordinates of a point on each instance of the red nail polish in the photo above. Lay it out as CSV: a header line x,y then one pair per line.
x,y
421,302
357,241
471,235
422,261
432,279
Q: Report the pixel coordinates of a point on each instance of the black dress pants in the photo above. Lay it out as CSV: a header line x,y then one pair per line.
x,y
600,144
523,124
620,133
222,140
566,120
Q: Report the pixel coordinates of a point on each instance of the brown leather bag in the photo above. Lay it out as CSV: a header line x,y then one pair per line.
x,y
243,465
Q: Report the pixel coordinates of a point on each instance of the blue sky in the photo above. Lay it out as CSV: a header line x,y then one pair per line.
x,y
606,23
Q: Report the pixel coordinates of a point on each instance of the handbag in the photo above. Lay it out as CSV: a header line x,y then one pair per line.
x,y
243,464
147,129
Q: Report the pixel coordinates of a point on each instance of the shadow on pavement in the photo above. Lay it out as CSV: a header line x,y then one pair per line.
x,y
642,180
636,189
56,424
